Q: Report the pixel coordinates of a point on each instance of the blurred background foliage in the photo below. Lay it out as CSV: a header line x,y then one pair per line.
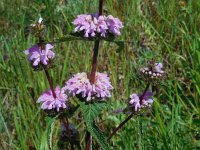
x,y
167,30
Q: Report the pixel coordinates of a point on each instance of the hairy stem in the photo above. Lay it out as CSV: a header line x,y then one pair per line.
x,y
94,61
129,117
50,82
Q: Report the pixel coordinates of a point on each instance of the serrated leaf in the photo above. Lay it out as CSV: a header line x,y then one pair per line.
x,y
98,135
90,112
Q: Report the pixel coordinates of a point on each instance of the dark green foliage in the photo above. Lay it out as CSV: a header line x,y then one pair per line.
x,y
91,111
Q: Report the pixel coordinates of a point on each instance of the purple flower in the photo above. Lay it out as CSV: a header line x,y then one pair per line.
x,y
38,55
114,25
137,104
79,84
91,24
49,102
85,23
158,68
135,101
102,86
153,70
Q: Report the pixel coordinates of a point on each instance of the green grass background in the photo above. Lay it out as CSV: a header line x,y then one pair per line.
x,y
168,30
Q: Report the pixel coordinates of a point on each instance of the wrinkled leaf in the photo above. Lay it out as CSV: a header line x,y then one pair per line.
x,y
98,135
90,112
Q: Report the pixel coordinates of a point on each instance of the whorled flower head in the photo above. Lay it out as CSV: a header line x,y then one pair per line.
x,y
49,102
93,25
136,104
38,55
79,85
153,71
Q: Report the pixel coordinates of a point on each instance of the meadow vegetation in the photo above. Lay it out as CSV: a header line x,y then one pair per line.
x,y
167,30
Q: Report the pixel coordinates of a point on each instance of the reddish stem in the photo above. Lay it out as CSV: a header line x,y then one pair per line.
x,y
93,72
120,126
46,72
94,61
145,91
100,7
50,82
96,49
129,117
88,140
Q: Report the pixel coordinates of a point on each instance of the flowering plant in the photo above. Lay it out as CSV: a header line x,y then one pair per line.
x,y
79,85
89,91
94,25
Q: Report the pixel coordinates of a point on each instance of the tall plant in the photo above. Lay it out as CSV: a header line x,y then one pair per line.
x,y
91,88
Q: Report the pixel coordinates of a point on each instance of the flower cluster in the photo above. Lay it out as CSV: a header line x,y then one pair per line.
x,y
92,25
38,55
79,84
51,102
153,71
137,103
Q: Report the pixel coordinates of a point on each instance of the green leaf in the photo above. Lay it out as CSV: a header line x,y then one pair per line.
x,y
78,36
64,39
50,121
90,112
98,135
